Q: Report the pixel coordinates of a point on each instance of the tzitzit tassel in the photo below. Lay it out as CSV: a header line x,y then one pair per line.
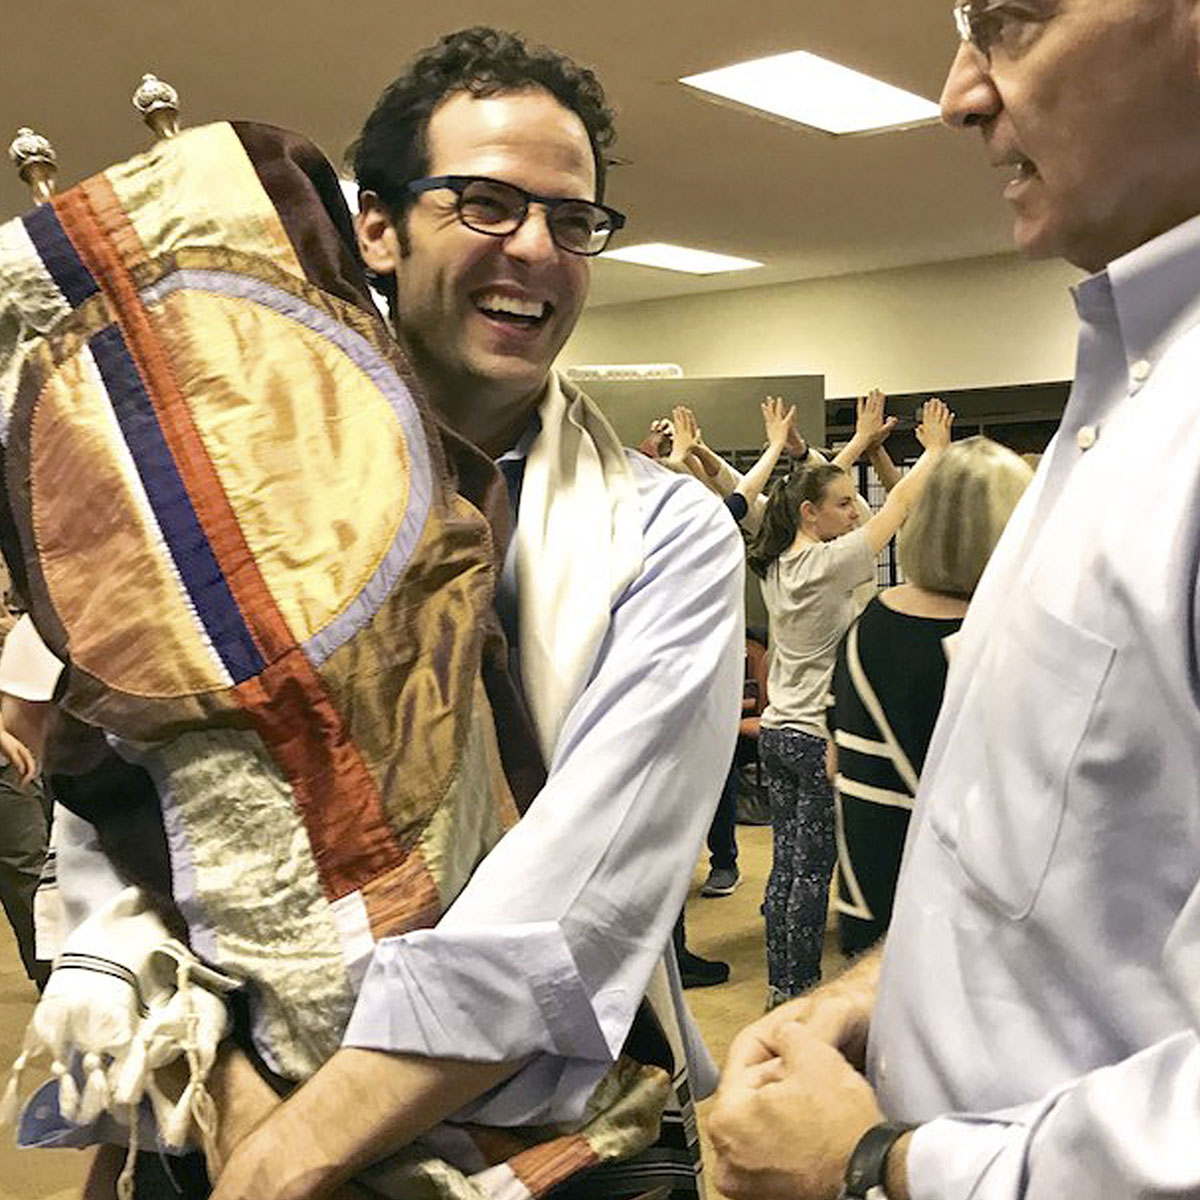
x,y
125,1179
174,1130
30,1049
204,1111
8,1106
130,1078
68,1091
95,1098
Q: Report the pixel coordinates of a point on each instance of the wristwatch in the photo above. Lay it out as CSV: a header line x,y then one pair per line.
x,y
867,1168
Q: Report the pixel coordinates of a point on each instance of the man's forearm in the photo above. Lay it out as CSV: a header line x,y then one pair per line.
x,y
858,983
862,975
839,1012
360,1107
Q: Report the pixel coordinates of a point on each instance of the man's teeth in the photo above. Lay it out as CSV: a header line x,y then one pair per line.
x,y
513,306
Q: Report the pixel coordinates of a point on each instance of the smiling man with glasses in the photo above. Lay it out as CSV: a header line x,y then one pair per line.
x,y
497,208
532,1041
1031,1029
479,214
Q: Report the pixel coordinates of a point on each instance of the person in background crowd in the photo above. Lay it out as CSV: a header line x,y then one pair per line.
x,y
687,439
24,824
725,479
780,430
891,671
778,425
811,554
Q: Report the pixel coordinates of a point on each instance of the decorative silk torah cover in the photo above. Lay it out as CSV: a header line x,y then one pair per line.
x,y
271,574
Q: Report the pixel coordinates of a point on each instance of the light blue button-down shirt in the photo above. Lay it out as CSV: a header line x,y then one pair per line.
x,y
1040,992
548,950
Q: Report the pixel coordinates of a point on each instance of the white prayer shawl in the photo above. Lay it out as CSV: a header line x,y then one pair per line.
x,y
125,1000
579,545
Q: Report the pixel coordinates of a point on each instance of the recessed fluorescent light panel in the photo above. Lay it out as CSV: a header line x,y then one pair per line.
x,y
679,258
814,91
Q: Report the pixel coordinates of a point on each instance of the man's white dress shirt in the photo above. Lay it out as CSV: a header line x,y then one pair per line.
x,y
1041,981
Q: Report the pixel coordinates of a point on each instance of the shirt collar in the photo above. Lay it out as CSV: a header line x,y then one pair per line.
x,y
519,451
1152,289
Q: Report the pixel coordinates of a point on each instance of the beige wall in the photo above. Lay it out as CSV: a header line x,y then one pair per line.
x,y
975,323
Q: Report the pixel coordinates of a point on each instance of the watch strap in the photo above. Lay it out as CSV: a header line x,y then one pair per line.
x,y
868,1160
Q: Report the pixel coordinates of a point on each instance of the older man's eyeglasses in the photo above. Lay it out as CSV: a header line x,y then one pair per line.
x,y
497,208
987,25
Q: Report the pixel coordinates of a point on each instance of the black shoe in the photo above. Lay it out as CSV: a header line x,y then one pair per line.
x,y
721,881
701,972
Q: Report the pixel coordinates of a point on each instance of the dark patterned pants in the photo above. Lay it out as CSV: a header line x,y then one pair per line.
x,y
797,899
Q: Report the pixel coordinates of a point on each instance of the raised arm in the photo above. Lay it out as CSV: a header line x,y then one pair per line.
x,y
714,470
797,445
871,426
777,422
934,434
889,474
685,438
712,464
685,433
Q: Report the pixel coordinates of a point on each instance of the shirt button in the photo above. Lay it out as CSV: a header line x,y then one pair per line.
x,y
1086,437
1140,371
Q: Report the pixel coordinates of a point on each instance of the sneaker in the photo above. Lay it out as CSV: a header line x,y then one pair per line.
x,y
697,972
721,881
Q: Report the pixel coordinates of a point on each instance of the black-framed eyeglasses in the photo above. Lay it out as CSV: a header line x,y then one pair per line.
x,y
497,208
987,23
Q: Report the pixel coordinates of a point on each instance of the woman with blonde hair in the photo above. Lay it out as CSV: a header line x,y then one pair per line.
x,y
812,554
891,672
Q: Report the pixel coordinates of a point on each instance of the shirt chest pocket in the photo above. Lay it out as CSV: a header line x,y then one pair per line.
x,y
999,808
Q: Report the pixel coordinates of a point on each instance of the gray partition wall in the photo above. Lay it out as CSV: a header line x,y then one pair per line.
x,y
727,408
728,412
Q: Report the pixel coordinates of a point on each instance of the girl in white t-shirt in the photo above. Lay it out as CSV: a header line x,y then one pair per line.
x,y
811,554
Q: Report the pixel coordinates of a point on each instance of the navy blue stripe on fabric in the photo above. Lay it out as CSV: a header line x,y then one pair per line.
x,y
194,558
58,254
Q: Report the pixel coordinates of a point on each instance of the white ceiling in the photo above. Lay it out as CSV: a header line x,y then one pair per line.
x,y
698,173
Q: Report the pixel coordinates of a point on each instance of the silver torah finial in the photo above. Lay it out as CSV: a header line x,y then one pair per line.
x,y
36,163
158,103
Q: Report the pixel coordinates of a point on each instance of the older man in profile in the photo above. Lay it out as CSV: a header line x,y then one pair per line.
x,y
1033,1032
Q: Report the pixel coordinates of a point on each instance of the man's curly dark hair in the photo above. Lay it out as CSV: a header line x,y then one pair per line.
x,y
393,148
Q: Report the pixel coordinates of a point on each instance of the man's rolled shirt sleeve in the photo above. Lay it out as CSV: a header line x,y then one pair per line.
x,y
1125,1131
550,947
